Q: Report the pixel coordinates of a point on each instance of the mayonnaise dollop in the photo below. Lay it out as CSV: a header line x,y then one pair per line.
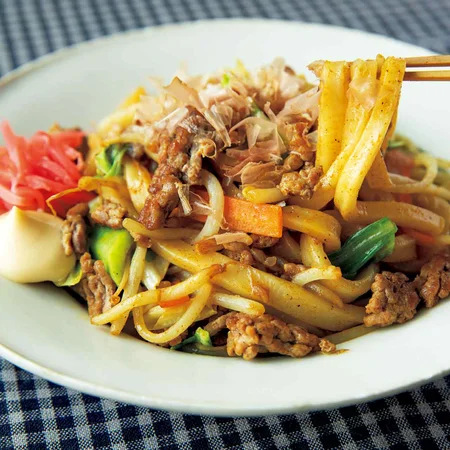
x,y
31,249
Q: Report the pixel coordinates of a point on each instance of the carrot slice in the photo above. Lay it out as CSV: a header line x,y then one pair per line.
x,y
399,162
60,203
249,217
405,198
176,302
258,218
421,238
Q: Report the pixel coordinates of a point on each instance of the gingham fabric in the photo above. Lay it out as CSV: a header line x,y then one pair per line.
x,y
37,414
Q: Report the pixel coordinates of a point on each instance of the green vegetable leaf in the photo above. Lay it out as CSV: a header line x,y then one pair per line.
x,y
150,255
109,160
371,244
73,278
256,111
112,247
395,144
201,336
207,350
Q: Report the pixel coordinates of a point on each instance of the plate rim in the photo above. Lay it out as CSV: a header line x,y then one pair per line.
x,y
164,403
57,54
200,408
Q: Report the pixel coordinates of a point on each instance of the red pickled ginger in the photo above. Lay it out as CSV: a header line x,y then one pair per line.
x,y
31,170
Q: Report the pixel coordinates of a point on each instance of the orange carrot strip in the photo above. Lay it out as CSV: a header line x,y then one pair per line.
x,y
240,215
249,217
399,162
176,302
421,238
405,198
61,202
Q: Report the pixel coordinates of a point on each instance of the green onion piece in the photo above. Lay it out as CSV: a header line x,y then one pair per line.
x,y
225,80
200,336
256,111
73,278
109,161
207,350
373,243
386,250
395,144
150,255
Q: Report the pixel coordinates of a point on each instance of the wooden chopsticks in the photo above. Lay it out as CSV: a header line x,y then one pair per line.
x,y
425,62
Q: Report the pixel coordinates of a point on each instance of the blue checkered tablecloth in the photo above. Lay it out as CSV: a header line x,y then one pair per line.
x,y
37,414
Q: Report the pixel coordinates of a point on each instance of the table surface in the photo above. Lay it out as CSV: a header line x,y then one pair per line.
x,y
37,414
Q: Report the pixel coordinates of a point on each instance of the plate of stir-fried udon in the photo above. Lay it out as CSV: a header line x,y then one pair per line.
x,y
197,221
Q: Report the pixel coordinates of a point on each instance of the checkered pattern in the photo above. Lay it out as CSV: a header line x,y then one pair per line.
x,y
40,415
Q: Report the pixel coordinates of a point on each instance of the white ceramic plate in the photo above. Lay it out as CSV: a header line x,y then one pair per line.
x,y
45,331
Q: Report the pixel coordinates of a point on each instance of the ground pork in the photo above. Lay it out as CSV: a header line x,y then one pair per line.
x,y
136,151
270,263
180,157
201,147
263,241
244,256
293,162
302,182
217,324
254,257
297,141
96,286
109,214
74,230
433,282
249,336
291,269
163,190
394,300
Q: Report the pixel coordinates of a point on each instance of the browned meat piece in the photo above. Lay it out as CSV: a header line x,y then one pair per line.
x,y
251,256
293,162
180,157
197,125
266,262
249,336
96,286
136,151
109,214
217,324
244,256
296,136
291,269
235,246
263,241
394,300
205,143
433,283
327,346
201,147
74,230
163,191
301,183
